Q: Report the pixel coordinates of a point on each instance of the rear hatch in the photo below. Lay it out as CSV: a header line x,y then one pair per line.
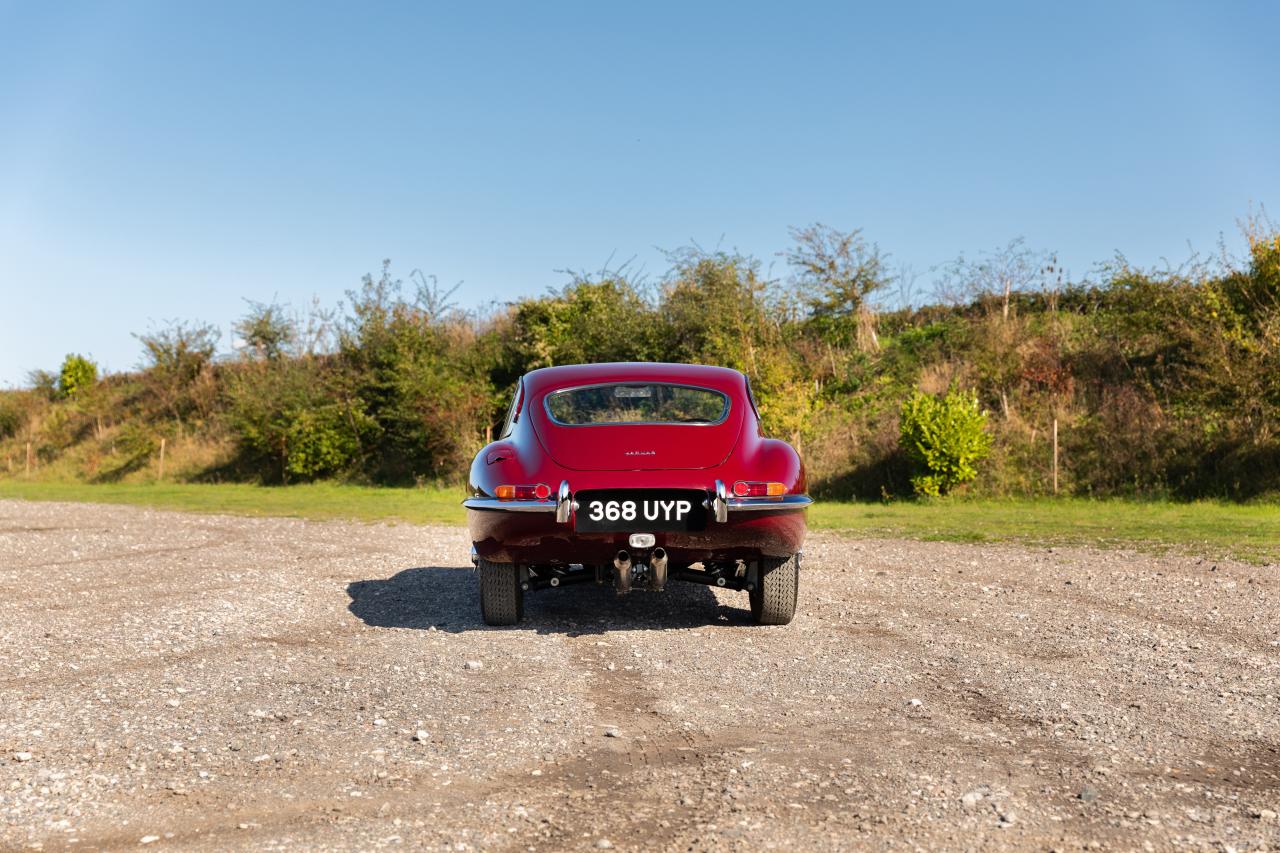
x,y
638,446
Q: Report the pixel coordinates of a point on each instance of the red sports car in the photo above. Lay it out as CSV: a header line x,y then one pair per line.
x,y
640,474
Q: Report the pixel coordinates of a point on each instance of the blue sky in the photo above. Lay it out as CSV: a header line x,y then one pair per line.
x,y
166,160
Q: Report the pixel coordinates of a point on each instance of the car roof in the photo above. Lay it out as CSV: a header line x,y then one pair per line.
x,y
553,378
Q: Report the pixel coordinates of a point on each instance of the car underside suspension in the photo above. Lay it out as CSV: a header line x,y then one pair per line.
x,y
653,573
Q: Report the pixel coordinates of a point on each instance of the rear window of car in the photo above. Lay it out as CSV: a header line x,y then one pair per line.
x,y
637,403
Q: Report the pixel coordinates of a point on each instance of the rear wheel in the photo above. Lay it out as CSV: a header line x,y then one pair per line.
x,y
501,598
773,601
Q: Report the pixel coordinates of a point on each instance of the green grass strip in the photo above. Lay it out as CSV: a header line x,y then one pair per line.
x,y
1249,532
311,500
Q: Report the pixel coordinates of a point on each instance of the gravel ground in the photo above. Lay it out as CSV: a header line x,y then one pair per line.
x,y
209,682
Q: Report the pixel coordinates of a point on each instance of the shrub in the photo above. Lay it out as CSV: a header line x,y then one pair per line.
x,y
589,320
44,383
11,419
319,442
716,308
132,449
410,364
175,367
945,438
77,374
286,417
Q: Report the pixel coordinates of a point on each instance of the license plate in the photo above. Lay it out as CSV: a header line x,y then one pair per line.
x,y
628,510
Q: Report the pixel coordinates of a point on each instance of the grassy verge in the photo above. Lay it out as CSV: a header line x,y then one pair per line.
x,y
313,500
1245,531
1250,532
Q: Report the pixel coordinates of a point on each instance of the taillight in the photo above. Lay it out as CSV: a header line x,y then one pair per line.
x,y
749,489
538,492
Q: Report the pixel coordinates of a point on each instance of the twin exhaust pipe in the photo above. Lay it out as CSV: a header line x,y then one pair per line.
x,y
657,571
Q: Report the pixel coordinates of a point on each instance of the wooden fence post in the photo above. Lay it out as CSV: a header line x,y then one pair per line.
x,y
161,476
1055,456
28,459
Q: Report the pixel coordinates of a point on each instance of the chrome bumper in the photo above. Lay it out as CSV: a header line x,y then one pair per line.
x,y
721,504
718,502
509,506
786,502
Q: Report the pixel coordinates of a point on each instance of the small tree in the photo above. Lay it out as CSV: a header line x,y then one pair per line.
x,y
43,383
179,350
267,331
77,374
945,439
839,271
994,280
994,277
175,358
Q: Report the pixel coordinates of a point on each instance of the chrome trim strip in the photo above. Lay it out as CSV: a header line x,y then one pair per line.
x,y
786,503
509,506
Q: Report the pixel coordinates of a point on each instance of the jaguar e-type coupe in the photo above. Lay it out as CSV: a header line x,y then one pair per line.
x,y
638,474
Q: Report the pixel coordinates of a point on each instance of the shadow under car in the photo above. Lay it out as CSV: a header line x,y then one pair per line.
x,y
447,599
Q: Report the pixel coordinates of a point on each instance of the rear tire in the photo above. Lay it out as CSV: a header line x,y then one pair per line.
x,y
773,601
501,598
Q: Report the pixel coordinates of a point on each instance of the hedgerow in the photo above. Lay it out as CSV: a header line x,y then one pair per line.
x,y
1160,382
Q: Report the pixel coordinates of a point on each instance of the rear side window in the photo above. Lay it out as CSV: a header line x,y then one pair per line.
x,y
513,413
637,403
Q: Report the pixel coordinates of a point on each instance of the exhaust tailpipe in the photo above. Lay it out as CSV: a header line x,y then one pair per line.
x,y
658,569
622,573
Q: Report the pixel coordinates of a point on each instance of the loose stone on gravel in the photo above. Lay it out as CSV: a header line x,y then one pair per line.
x,y
285,640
